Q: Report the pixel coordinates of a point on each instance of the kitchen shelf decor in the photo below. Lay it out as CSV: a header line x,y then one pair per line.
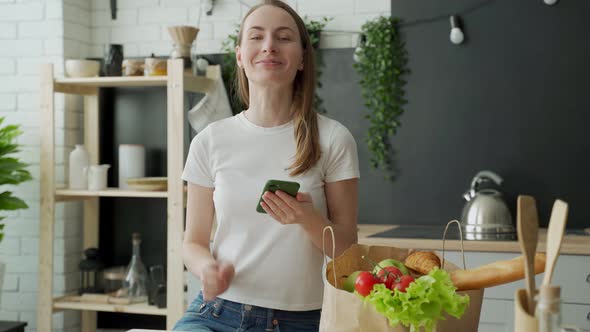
x,y
176,83
382,66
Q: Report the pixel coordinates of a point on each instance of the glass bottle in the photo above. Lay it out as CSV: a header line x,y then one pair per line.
x,y
136,276
548,310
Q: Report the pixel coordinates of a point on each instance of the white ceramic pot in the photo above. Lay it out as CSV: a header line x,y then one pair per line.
x,y
131,163
79,159
82,68
97,176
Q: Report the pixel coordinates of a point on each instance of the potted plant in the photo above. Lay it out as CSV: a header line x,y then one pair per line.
x,y
12,172
382,66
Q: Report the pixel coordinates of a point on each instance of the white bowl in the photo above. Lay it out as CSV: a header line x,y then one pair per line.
x,y
82,68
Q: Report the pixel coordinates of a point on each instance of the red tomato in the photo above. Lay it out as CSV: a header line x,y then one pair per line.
x,y
365,282
389,275
404,282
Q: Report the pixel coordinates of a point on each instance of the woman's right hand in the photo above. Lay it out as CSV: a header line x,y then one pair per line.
x,y
215,279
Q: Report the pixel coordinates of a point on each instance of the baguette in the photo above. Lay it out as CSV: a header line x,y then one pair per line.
x,y
496,273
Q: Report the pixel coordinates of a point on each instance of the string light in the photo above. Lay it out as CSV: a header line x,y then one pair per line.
x,y
456,35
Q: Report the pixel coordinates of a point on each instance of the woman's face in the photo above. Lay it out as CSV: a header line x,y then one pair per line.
x,y
270,50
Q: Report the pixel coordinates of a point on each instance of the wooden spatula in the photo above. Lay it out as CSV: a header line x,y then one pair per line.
x,y
527,227
554,237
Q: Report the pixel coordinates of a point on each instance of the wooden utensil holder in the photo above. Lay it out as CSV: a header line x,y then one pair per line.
x,y
523,321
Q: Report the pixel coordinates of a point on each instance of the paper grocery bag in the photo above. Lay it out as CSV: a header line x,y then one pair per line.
x,y
343,311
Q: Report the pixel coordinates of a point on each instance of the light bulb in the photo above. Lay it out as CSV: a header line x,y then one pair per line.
x,y
456,35
208,7
550,2
361,41
355,55
202,64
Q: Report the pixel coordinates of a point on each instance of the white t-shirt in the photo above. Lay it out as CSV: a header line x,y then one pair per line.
x,y
277,266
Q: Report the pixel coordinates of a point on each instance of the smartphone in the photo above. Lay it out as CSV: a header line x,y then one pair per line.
x,y
289,187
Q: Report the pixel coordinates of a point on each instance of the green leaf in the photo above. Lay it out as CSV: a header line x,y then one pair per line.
x,y
424,303
12,170
9,202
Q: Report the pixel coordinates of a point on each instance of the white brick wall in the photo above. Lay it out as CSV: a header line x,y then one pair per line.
x,y
7,30
31,11
141,25
37,31
33,32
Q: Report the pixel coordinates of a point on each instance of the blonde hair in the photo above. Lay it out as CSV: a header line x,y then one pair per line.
x,y
304,116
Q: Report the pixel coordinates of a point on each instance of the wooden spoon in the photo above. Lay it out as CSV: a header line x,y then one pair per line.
x,y
554,237
527,227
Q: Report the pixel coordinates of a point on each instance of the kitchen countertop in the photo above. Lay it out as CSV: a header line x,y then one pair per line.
x,y
572,244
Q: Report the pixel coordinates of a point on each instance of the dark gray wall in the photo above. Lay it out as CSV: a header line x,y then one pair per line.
x,y
513,98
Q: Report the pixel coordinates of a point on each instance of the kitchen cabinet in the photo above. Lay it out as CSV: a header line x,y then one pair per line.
x,y
176,83
572,273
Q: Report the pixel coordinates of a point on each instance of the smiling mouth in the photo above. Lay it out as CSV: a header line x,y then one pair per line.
x,y
269,62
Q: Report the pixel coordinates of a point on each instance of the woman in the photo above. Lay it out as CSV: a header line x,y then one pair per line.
x,y
264,271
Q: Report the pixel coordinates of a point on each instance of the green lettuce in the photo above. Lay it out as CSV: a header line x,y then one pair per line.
x,y
424,303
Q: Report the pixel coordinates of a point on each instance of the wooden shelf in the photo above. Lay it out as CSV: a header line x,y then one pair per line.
x,y
69,194
76,85
176,83
73,303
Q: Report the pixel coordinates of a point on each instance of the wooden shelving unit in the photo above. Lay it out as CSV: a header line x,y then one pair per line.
x,y
69,194
74,303
176,83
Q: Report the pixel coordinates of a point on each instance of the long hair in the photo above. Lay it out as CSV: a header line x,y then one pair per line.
x,y
304,116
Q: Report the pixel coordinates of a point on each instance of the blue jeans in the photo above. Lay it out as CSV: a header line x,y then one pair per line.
x,y
222,315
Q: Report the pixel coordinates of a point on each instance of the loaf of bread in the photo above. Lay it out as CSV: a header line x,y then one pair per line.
x,y
496,273
422,261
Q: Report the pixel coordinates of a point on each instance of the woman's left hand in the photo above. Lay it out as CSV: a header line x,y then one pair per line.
x,y
287,209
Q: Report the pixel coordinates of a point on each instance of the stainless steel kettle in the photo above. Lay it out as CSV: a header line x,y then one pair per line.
x,y
485,215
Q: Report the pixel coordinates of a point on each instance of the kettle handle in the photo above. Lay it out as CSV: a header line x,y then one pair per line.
x,y
484,176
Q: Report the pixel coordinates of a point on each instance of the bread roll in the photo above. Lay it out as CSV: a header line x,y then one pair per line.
x,y
422,261
496,273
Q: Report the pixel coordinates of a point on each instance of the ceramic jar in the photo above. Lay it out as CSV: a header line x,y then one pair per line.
x,y
131,163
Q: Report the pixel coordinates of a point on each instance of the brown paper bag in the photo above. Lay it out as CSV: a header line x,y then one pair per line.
x,y
343,311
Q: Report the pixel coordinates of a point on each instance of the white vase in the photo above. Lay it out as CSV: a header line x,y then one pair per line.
x,y
131,163
79,159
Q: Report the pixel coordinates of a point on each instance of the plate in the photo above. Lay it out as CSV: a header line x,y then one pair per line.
x,y
148,183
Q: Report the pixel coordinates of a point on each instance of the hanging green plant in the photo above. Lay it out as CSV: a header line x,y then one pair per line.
x,y
382,65
314,29
228,66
